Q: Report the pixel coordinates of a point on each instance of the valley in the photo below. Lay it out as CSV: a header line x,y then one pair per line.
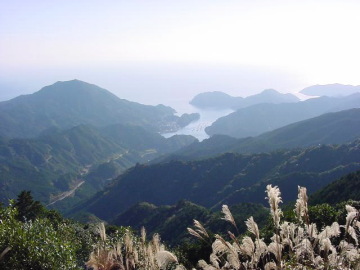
x,y
101,158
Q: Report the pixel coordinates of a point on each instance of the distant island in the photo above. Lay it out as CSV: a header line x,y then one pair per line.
x,y
220,100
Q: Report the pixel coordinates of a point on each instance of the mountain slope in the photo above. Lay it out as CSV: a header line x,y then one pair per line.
x,y
220,100
229,178
171,221
60,160
331,128
344,189
71,103
257,119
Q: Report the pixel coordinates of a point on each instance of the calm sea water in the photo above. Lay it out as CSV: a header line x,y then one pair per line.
x,y
197,128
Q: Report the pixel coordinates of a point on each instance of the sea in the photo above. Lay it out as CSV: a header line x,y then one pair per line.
x,y
197,128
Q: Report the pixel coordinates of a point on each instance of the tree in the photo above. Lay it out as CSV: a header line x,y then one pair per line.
x,y
27,208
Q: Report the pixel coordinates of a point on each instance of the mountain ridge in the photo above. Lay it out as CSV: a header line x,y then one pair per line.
x,y
71,103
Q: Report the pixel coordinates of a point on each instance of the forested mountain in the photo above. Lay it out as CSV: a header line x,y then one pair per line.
x,y
229,178
344,189
335,89
220,100
171,221
71,103
59,161
331,128
260,118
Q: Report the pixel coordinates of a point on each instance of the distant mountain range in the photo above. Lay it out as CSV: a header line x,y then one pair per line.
x,y
260,118
331,128
59,160
220,100
71,103
226,179
331,90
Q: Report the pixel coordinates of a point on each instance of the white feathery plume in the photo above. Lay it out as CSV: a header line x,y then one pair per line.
x,y
228,216
285,230
276,249
101,230
301,206
351,215
203,265
303,249
351,231
214,260
352,255
311,230
180,267
156,242
200,228
325,245
318,261
273,196
270,266
219,247
165,258
247,247
252,227
335,229
194,233
200,231
233,260
261,248
333,257
143,234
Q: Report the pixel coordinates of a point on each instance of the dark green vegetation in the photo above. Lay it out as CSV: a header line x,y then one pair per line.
x,y
260,118
82,158
344,189
71,103
330,128
335,89
32,237
172,221
226,179
220,100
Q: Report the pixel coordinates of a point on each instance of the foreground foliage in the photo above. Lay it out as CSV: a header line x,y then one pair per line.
x,y
299,245
35,244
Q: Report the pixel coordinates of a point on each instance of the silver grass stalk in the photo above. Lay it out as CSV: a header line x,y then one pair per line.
x,y
214,260
270,266
276,249
350,217
200,228
247,247
273,196
156,242
260,248
194,233
233,260
205,266
228,216
6,250
301,205
101,230
219,247
143,234
351,231
165,258
304,250
252,227
311,230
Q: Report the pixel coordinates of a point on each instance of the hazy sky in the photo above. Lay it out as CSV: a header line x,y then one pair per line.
x,y
151,51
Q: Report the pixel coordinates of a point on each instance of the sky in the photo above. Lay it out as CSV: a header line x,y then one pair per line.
x,y
159,51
